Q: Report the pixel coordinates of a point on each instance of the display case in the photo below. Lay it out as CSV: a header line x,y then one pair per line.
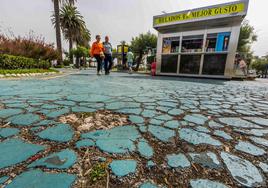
x,y
171,45
191,44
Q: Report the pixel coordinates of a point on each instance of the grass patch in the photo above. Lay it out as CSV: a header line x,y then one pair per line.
x,y
25,71
98,172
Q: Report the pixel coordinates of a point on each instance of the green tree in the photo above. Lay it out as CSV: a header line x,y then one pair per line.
x,y
79,52
246,38
260,64
141,43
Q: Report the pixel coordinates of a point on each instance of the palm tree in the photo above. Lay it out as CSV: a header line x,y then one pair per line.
x,y
57,28
72,23
71,2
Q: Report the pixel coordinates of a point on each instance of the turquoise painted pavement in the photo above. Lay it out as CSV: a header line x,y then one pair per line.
x,y
179,132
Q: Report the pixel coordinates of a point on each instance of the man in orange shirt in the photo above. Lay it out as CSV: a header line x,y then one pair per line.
x,y
96,51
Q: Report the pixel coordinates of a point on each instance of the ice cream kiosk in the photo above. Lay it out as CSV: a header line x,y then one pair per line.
x,y
200,42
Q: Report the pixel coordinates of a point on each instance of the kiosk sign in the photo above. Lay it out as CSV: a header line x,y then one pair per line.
x,y
222,10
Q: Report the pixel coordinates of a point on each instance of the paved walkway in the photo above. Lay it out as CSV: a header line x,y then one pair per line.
x,y
176,132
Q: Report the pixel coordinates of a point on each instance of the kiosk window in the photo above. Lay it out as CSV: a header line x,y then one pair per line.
x,y
218,42
169,63
214,64
171,45
211,42
190,64
192,43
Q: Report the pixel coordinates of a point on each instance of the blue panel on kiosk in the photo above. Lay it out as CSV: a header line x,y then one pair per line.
x,y
220,41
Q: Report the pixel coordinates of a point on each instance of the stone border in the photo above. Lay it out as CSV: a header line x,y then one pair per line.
x,y
28,74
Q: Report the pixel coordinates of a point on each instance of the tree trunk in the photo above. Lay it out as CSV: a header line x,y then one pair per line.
x,y
58,32
139,61
70,48
71,2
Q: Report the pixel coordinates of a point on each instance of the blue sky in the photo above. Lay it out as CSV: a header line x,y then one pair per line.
x,y
120,19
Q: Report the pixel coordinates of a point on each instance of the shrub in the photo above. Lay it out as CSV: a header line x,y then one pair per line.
x,y
17,62
150,59
66,62
30,46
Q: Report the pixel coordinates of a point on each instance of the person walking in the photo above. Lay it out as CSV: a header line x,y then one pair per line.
x,y
130,59
243,66
108,50
96,50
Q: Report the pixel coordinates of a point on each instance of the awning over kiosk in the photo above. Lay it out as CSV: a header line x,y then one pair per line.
x,y
200,42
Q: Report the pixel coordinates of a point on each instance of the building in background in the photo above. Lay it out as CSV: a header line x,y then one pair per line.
x,y
200,42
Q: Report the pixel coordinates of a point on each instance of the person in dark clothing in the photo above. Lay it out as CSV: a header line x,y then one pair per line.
x,y
108,61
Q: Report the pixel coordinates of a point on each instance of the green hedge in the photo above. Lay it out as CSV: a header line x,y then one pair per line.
x,y
18,62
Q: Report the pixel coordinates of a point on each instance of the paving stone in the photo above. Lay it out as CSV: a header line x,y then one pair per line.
x,y
59,133
50,106
32,109
242,170
163,108
123,167
164,117
223,135
119,105
148,185
149,113
249,148
57,113
22,149
60,160
204,183
85,143
156,122
259,140
5,113
178,161
79,109
161,133
196,118
202,129
24,119
39,179
3,179
260,121
65,103
118,140
175,112
254,132
264,167
17,105
7,132
150,164
136,111
78,98
167,104
195,137
46,123
209,160
238,122
136,119
145,149
143,128
172,124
